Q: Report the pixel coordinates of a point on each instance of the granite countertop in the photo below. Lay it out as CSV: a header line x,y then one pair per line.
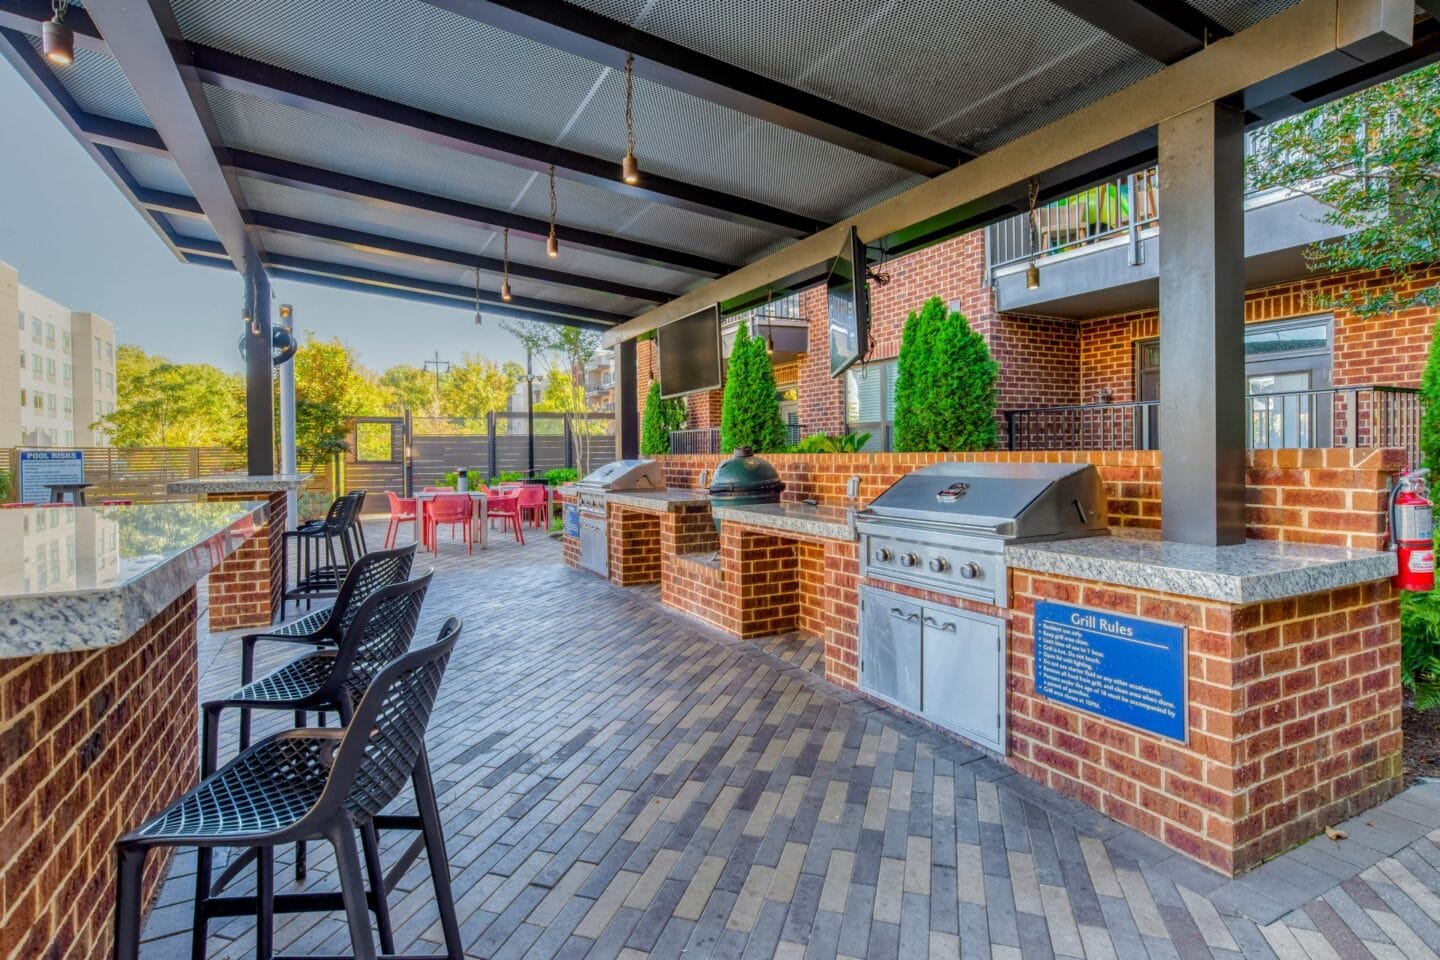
x,y
831,523
239,483
658,501
1245,573
80,578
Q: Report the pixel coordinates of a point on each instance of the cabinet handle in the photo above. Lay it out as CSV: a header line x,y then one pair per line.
x,y
897,612
932,622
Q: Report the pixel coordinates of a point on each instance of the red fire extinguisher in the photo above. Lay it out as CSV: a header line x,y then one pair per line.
x,y
1411,535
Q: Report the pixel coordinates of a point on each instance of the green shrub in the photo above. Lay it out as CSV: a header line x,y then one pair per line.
x,y
945,384
6,485
832,443
750,413
506,476
661,417
1420,647
561,475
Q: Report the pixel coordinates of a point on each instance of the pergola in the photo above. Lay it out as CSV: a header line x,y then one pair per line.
x,y
410,147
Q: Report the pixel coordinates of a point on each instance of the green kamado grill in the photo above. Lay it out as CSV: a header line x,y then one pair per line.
x,y
744,478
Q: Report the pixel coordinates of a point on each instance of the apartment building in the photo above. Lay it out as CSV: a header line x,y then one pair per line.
x,y
57,370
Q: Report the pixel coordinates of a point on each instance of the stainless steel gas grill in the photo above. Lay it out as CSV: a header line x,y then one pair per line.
x,y
590,500
943,529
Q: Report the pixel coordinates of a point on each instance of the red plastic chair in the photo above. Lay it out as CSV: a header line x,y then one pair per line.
x,y
452,510
534,503
505,507
439,490
401,510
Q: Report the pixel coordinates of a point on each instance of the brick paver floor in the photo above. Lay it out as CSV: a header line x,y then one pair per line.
x,y
620,781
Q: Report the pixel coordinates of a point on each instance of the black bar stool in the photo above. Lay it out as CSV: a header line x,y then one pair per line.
x,y
324,551
311,785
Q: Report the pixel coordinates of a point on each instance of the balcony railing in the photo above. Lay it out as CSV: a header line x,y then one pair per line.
x,y
1362,416
707,439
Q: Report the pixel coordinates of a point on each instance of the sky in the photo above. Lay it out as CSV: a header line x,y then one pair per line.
x,y
98,254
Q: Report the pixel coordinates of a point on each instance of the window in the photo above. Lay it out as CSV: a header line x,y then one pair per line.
x,y
97,347
69,441
65,341
22,320
35,329
50,402
39,400
37,369
870,402
69,405
22,359
50,368
109,350
109,380
69,373
50,334
24,397
96,372
99,409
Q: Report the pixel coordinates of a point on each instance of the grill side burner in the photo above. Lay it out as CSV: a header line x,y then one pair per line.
x,y
943,529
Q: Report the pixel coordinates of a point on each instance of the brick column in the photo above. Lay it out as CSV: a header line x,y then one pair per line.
x,y
634,544
91,744
245,589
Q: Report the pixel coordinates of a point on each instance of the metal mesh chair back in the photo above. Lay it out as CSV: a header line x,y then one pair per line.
x,y
370,573
381,631
385,737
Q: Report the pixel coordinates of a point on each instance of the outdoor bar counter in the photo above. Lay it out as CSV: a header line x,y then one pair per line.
x,y
98,700
1262,701
246,591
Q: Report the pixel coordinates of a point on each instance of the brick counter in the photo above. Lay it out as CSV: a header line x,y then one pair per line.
x,y
245,590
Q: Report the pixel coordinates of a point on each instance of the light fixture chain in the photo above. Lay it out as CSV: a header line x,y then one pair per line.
x,y
505,248
629,97
552,199
59,8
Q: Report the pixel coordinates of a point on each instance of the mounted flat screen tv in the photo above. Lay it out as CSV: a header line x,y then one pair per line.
x,y
849,306
690,353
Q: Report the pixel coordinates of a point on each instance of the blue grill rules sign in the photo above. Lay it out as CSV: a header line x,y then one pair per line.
x,y
1122,668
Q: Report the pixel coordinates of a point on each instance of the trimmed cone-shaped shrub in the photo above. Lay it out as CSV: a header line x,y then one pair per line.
x,y
750,411
661,416
945,384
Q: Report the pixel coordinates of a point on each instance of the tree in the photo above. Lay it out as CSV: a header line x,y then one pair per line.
x,y
660,418
331,386
1373,159
475,387
569,349
412,389
750,410
160,403
945,383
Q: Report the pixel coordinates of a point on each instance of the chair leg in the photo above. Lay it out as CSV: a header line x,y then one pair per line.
x,y
352,888
200,924
127,902
435,853
210,737
265,903
370,848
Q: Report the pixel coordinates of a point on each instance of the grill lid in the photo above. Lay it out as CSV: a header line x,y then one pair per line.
x,y
625,475
1002,499
745,473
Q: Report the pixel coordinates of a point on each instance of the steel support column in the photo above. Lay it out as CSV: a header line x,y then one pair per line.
x,y
1202,327
259,396
627,402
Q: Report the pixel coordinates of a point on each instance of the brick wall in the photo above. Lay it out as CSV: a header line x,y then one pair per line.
x,y
1294,720
90,745
704,409
1333,496
634,546
245,589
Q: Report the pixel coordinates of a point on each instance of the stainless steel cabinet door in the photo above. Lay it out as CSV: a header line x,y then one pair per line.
x,y
594,546
965,674
890,648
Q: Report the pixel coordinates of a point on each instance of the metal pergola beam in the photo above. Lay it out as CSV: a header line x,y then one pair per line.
x,y
1300,44
228,71
423,252
146,42
1164,30
378,281
575,30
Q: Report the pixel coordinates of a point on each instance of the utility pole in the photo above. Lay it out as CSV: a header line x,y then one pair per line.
x,y
438,364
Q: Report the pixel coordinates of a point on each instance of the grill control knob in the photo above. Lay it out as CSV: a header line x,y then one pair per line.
x,y
939,565
908,560
969,571
884,555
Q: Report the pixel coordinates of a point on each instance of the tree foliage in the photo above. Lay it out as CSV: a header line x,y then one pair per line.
x,y
413,389
161,403
474,387
944,383
1373,158
750,411
568,351
331,386
661,417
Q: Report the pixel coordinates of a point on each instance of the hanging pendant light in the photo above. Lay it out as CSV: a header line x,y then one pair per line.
x,y
629,169
57,40
552,245
1032,276
479,317
505,263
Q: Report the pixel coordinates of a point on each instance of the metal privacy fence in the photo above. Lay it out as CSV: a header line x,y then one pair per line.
x,y
494,445
141,473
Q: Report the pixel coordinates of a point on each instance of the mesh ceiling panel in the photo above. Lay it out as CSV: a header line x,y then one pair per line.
x,y
354,215
1236,15
410,52
193,227
98,85
280,131
154,173
913,63
291,245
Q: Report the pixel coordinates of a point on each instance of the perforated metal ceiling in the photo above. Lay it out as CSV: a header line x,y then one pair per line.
x,y
154,173
98,85
1236,15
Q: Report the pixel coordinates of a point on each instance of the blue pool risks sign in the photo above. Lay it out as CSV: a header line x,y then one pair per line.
x,y
571,516
1122,668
